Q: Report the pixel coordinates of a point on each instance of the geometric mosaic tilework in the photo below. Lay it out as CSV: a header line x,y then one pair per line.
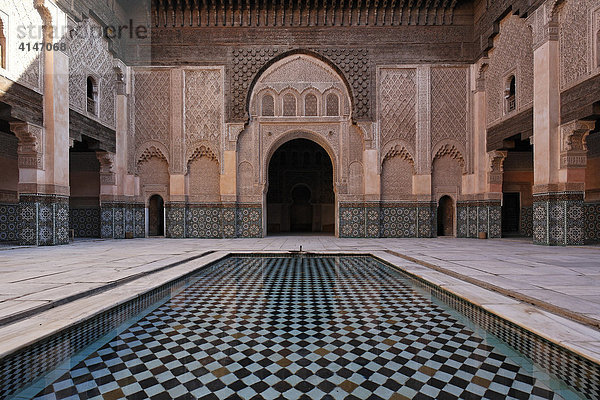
x,y
559,219
427,220
592,222
479,216
399,220
343,327
386,219
214,220
85,222
43,219
118,219
526,222
204,221
9,222
352,220
175,216
248,220
139,220
210,221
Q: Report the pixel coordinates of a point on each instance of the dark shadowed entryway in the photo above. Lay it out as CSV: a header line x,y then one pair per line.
x,y
300,196
156,219
445,216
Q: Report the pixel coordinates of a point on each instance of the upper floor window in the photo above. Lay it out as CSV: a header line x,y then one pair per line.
x,y
510,95
310,105
92,96
2,45
268,106
333,106
289,105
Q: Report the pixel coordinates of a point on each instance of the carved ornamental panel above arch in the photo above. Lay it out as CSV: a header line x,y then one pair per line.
x,y
249,63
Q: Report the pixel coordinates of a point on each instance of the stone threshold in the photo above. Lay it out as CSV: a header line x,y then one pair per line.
x,y
18,316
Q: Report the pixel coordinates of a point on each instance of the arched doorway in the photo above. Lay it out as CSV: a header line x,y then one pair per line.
x,y
156,213
445,216
300,194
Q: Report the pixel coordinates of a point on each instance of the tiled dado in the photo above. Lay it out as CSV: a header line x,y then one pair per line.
x,y
9,222
85,221
117,219
473,217
397,219
43,219
558,219
592,222
214,220
526,228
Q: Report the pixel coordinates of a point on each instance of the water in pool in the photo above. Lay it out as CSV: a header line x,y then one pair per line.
x,y
331,327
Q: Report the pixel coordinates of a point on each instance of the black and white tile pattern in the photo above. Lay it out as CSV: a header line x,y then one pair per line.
x,y
336,327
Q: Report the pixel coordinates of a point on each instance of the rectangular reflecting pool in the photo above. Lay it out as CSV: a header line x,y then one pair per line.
x,y
327,327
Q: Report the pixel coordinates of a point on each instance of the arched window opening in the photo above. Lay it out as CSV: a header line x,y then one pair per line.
x,y
268,106
510,95
333,106
310,105
2,45
92,96
289,105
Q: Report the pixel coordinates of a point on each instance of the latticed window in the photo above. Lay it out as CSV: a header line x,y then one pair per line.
x,y
310,105
510,95
92,96
268,106
333,105
289,105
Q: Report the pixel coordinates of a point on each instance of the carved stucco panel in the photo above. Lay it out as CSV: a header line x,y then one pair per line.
x,y
204,105
575,38
512,55
397,104
89,56
152,106
449,104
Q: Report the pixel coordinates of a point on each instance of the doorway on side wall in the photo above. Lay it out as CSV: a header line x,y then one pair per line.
x,y
156,216
445,216
511,214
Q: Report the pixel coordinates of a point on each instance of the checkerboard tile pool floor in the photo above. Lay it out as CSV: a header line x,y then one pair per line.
x,y
331,328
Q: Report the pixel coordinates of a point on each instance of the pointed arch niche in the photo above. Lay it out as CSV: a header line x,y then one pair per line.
x,y
311,101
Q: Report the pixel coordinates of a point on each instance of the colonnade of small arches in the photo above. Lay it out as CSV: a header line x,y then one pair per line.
x,y
292,104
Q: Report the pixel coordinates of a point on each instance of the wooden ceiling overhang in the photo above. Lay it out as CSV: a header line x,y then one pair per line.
x,y
302,13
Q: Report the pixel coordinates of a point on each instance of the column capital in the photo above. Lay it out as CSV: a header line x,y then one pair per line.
x,y
107,167
31,144
544,24
496,166
573,147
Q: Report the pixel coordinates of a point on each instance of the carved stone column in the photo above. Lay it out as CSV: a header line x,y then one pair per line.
x,y
43,211
556,201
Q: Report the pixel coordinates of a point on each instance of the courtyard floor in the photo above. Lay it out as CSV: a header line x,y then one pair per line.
x,y
43,289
